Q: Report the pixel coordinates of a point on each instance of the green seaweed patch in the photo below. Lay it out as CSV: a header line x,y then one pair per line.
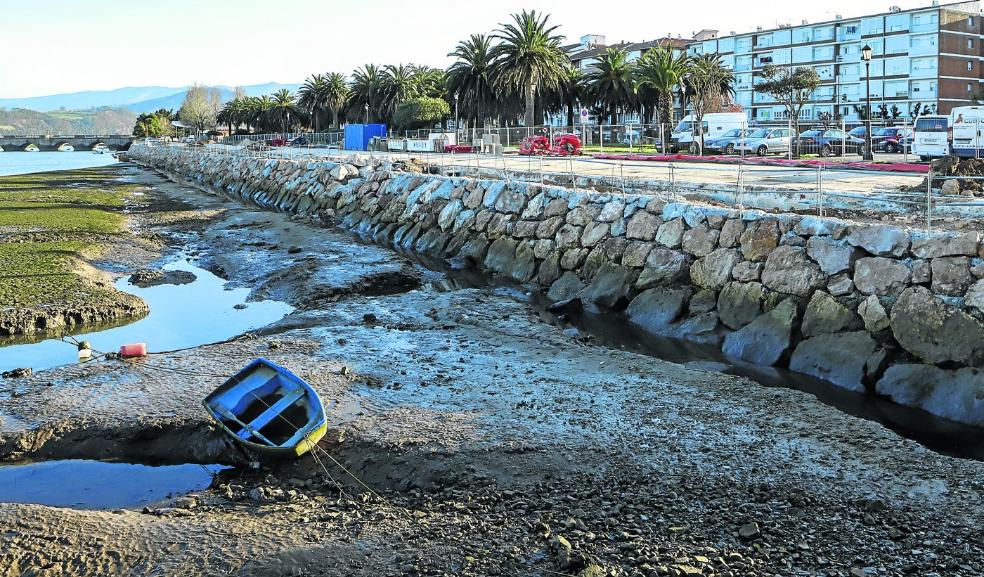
x,y
43,273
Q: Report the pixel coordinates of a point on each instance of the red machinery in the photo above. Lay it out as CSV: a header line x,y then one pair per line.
x,y
563,145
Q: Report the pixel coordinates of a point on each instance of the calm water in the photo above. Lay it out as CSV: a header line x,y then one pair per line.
x,y
181,316
99,485
28,162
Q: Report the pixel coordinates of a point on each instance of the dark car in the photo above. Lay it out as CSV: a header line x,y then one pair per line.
x,y
889,138
858,132
829,141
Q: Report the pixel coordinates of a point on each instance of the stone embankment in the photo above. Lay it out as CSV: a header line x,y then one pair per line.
x,y
867,307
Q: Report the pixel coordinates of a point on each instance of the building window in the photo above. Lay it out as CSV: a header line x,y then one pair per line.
x,y
970,22
970,43
970,65
970,87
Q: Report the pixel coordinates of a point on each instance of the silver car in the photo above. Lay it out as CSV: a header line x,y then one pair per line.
x,y
727,142
765,141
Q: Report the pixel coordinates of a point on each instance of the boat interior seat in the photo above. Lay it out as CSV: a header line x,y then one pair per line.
x,y
264,418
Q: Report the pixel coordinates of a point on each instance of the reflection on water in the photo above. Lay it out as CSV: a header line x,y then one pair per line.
x,y
99,485
29,162
181,316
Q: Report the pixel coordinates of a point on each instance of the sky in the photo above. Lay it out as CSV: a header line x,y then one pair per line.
x,y
56,46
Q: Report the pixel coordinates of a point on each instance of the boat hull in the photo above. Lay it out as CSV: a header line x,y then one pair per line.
x,y
269,410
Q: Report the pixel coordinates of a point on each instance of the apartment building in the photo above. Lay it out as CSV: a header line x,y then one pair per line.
x,y
585,53
931,56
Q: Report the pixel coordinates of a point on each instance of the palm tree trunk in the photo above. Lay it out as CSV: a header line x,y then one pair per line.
x,y
530,105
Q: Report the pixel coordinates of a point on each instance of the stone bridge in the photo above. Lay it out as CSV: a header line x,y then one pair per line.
x,y
78,142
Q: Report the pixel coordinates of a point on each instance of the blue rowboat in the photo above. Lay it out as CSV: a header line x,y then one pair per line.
x,y
269,410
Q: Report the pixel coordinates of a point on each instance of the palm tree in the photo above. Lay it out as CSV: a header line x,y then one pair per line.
x,y
708,84
611,82
366,92
528,57
431,82
663,72
284,112
470,77
568,94
400,83
313,97
337,94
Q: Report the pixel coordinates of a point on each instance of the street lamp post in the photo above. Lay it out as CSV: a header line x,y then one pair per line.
x,y
866,57
367,113
456,127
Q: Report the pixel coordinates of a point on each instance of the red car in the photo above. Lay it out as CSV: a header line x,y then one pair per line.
x,y
563,145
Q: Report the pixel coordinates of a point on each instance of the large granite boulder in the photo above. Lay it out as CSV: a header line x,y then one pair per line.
x,y
643,225
934,331
833,256
663,266
501,255
670,233
565,287
880,240
739,303
656,308
765,340
873,314
947,244
975,296
951,275
840,358
881,276
759,239
953,394
824,315
714,270
700,240
610,286
788,270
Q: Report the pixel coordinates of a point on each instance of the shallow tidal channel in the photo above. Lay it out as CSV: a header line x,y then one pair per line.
x,y
84,484
201,312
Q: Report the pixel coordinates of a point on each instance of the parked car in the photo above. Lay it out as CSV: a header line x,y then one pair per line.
x,y
858,132
726,143
767,141
889,139
713,125
830,141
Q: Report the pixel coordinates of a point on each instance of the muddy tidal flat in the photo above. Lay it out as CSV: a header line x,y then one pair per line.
x,y
467,436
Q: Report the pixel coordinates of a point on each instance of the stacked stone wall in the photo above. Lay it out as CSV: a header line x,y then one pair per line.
x,y
872,308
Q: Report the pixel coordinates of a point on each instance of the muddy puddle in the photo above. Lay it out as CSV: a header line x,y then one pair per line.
x,y
196,313
82,484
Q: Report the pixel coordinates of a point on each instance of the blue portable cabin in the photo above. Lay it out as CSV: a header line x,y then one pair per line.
x,y
357,136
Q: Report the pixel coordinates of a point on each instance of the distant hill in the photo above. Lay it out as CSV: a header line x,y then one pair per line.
x,y
137,98
173,101
66,122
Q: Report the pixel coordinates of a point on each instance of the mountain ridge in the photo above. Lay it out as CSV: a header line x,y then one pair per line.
x,y
134,98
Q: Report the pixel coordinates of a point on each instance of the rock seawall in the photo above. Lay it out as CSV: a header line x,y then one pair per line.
x,y
868,307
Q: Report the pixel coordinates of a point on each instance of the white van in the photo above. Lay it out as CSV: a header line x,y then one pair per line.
x,y
931,137
713,125
968,124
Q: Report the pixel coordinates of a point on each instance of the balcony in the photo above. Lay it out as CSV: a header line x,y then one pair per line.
x,y
923,73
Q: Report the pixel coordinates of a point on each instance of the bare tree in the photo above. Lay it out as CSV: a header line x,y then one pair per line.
x,y
705,84
201,107
792,88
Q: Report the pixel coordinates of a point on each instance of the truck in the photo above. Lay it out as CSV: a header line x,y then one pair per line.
x,y
686,135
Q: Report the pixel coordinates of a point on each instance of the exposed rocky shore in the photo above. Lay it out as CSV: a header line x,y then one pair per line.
x,y
498,445
868,307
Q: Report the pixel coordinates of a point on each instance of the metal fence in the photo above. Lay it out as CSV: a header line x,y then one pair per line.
x,y
773,138
825,190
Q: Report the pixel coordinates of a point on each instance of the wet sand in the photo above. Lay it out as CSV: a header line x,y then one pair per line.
x,y
496,444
